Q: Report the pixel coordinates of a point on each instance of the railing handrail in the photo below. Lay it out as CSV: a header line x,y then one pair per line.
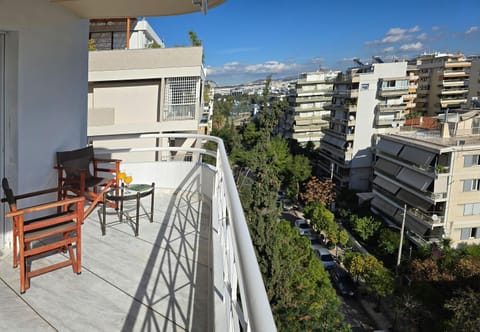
x,y
254,299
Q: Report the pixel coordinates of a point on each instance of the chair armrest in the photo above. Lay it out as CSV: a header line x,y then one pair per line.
x,y
106,160
33,194
46,206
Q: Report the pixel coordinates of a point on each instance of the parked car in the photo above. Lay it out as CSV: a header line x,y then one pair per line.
x,y
325,256
304,228
342,281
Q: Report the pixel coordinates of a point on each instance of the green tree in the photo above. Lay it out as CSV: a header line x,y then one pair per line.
x,y
298,170
321,218
465,309
365,227
194,41
388,241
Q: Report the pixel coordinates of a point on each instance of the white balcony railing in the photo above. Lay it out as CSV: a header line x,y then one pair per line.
x,y
237,291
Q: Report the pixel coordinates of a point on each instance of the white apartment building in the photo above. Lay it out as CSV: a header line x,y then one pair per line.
x,y
123,33
368,100
145,90
313,91
435,174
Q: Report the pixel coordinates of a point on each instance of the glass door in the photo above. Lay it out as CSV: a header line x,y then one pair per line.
x,y
2,134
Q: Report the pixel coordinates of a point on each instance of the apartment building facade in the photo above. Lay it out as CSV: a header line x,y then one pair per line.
x,y
367,100
145,91
446,81
434,178
312,92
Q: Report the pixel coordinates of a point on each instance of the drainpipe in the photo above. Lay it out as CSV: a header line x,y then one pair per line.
x,y
127,41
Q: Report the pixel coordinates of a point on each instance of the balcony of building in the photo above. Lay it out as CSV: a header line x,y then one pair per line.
x,y
303,135
391,107
348,121
455,73
394,121
340,150
313,120
452,101
393,91
349,135
192,269
458,64
346,93
454,83
324,98
343,107
459,90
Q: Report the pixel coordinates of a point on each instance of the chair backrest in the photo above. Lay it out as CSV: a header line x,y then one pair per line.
x,y
12,202
76,159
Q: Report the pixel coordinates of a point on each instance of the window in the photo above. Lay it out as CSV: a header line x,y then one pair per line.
x,y
471,209
471,160
471,185
468,233
181,96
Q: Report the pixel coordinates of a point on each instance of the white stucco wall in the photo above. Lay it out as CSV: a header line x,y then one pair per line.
x,y
50,110
46,93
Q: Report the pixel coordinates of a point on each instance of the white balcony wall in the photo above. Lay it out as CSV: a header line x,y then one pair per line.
x,y
46,92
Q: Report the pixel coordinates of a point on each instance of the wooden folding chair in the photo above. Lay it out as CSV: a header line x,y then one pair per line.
x,y
50,233
75,177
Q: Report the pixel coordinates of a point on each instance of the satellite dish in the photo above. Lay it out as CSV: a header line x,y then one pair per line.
x,y
434,217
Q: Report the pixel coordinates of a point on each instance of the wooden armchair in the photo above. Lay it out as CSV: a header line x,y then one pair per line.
x,y
75,177
50,233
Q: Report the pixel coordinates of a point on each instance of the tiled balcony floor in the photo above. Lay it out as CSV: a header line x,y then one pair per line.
x,y
157,281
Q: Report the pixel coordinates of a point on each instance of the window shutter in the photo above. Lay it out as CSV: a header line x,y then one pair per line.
x,y
465,233
467,185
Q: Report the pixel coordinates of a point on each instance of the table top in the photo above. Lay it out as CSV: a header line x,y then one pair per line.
x,y
129,192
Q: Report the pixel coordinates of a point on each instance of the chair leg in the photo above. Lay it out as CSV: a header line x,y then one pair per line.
x,y
15,249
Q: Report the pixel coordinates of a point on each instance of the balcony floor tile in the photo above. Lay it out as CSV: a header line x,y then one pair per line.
x,y
156,281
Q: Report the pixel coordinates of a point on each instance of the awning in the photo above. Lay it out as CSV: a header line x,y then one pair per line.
x,y
387,167
412,224
334,141
383,206
385,184
416,156
389,147
413,200
414,179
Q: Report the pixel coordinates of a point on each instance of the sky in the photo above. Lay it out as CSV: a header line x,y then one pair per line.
x,y
246,40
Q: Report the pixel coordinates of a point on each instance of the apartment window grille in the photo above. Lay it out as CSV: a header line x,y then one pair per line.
x,y
469,233
181,98
471,209
471,185
471,160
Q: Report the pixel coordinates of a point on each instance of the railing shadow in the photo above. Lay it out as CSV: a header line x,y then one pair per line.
x,y
175,270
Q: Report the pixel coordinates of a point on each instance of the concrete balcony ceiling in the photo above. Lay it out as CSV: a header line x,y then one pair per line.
x,y
127,8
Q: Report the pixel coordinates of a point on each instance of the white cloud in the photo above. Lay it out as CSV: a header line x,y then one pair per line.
x,y
412,47
422,36
471,30
388,49
436,28
395,35
268,67
414,29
